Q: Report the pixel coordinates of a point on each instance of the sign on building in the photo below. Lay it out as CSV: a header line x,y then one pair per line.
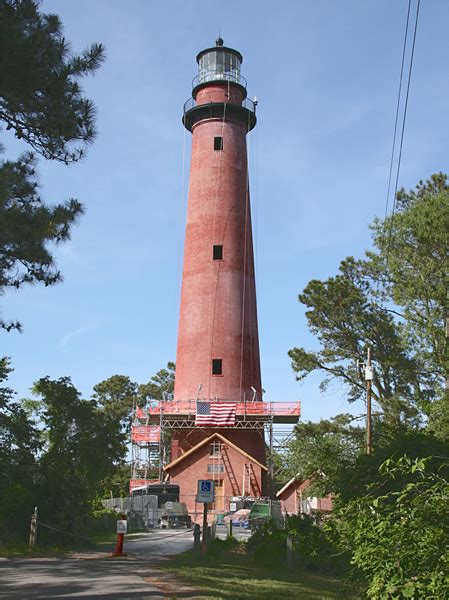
x,y
205,490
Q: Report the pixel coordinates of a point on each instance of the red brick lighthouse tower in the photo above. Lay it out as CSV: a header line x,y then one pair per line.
x,y
217,417
218,347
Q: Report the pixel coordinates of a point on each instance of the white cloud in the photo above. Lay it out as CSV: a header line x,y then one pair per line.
x,y
69,337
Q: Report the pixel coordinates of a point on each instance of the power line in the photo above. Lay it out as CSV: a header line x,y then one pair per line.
x,y
397,108
402,131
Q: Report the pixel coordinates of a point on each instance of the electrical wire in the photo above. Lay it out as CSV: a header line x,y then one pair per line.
x,y
402,132
397,108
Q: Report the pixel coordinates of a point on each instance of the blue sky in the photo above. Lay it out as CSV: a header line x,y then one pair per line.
x,y
326,76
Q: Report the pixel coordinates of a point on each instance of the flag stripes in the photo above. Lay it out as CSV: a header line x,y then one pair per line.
x,y
215,414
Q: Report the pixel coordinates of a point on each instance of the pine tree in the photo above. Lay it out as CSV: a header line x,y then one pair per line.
x,y
41,102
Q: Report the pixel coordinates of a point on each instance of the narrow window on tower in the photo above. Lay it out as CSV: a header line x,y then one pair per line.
x,y
217,366
218,252
218,143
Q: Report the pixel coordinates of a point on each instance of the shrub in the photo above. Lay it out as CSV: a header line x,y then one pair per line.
x,y
267,545
312,544
399,539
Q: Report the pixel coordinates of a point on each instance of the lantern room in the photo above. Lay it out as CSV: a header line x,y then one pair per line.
x,y
219,63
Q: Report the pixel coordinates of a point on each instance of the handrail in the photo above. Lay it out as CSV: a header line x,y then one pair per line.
x,y
242,408
246,103
217,75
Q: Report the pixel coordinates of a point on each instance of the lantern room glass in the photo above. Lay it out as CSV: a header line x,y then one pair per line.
x,y
219,65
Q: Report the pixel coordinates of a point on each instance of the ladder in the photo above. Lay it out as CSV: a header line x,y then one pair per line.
x,y
246,487
230,471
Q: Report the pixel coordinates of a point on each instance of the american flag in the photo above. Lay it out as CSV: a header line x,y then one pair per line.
x,y
215,414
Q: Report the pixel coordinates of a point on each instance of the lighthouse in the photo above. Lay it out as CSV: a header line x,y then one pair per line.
x,y
217,419
218,346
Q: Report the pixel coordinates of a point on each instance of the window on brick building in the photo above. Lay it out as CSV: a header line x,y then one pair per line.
x,y
218,252
218,143
217,366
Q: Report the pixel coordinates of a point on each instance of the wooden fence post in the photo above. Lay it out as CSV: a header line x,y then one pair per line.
x,y
197,540
229,528
289,552
33,528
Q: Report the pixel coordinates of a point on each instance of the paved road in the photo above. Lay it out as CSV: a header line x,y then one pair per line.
x,y
159,543
93,575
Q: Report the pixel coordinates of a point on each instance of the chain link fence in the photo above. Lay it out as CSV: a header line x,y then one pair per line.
x,y
142,510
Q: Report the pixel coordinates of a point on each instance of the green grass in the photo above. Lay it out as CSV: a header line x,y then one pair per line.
x,y
230,573
104,537
21,549
111,537
96,541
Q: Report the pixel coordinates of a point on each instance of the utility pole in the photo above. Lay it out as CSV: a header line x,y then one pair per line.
x,y
271,470
369,374
446,325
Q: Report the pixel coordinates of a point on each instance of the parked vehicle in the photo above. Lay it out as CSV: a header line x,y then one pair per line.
x,y
164,492
262,510
175,521
175,515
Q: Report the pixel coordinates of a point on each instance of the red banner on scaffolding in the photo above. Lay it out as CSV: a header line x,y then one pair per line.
x,y
146,433
140,413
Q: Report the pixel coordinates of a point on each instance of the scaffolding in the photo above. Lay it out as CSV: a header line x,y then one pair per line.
x,y
152,424
146,450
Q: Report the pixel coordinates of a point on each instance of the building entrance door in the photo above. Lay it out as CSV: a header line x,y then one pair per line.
x,y
219,495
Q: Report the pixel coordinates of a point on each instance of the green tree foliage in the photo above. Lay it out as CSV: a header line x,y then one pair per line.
x,y
397,532
160,386
324,451
393,301
415,243
19,445
40,96
390,507
27,227
83,445
41,102
116,396
352,483
117,482
312,547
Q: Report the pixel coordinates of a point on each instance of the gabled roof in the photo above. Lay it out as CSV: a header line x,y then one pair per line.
x,y
286,486
293,480
208,440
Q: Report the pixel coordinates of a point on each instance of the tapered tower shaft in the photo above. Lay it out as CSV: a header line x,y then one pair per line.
x,y
218,346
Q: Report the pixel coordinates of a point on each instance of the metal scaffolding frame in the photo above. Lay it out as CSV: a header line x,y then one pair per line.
x,y
278,430
145,446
